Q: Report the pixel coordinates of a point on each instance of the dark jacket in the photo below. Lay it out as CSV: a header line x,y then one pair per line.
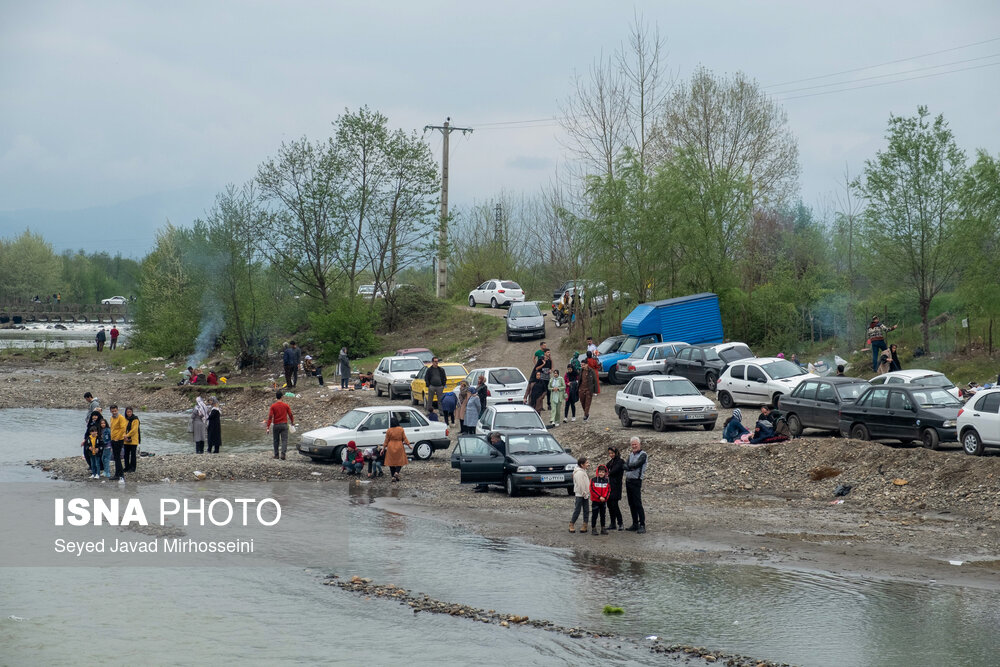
x,y
435,377
449,402
292,356
481,391
616,470
214,428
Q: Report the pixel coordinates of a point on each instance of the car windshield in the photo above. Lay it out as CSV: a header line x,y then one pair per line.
x,y
735,353
609,344
351,419
518,420
506,376
536,443
936,380
455,371
629,345
525,310
850,392
935,398
640,352
405,365
674,388
779,370
506,284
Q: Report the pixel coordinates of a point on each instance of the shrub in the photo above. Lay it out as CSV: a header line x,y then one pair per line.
x,y
351,324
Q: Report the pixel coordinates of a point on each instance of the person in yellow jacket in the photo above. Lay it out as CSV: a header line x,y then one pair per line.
x,y
133,436
94,446
118,425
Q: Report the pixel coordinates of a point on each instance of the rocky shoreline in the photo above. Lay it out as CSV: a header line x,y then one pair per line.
x,y
366,588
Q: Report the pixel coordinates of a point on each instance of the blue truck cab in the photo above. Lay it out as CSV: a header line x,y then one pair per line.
x,y
693,319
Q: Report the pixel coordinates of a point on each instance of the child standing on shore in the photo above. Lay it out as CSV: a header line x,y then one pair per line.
x,y
600,490
106,445
92,444
581,489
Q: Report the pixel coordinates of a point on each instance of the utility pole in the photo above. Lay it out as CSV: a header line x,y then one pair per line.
x,y
497,234
441,279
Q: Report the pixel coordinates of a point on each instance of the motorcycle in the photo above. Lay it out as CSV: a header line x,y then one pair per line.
x,y
559,317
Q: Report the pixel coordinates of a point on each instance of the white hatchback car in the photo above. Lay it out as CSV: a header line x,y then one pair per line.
x,y
759,381
496,293
507,417
393,375
664,400
503,385
367,427
917,376
979,422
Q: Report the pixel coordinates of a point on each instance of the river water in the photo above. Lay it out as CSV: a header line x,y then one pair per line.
x,y
275,611
44,335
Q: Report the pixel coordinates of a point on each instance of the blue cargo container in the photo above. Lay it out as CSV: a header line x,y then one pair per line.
x,y
691,319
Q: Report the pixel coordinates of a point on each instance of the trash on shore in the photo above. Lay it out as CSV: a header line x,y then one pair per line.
x,y
199,475
609,609
956,562
652,638
899,481
842,489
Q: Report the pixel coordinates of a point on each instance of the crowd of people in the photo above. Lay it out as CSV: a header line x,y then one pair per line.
x,y
116,437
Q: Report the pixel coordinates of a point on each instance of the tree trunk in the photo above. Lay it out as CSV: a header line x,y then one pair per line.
x,y
925,306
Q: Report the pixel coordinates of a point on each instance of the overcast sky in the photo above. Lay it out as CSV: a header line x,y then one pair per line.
x,y
102,102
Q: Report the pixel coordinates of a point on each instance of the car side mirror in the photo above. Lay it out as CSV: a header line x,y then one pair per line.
x,y
761,380
362,428
494,453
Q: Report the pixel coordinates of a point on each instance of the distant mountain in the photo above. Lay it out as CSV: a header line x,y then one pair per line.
x,y
127,227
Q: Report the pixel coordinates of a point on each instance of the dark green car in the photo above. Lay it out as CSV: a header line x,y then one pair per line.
x,y
530,460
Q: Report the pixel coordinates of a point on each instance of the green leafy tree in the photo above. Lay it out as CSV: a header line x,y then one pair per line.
x,y
913,196
28,267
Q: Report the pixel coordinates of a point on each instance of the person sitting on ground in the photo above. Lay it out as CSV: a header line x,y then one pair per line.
x,y
884,364
376,459
733,427
212,378
365,378
351,465
432,414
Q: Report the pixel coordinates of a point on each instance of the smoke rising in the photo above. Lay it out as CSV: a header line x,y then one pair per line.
x,y
212,323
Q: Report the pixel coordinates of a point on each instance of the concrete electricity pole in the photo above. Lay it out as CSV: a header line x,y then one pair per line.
x,y
441,281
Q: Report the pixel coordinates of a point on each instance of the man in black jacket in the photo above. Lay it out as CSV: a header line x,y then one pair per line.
x,y
436,379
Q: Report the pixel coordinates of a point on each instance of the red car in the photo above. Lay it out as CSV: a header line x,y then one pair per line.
x,y
421,353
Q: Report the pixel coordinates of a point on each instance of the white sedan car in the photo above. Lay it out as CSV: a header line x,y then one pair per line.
x,y
917,376
367,427
496,293
115,301
759,381
393,375
979,422
507,417
503,385
664,400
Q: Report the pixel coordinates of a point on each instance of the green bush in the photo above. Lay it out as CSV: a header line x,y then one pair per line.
x,y
351,324
406,304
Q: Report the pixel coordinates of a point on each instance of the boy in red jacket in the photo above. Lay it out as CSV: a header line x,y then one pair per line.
x,y
600,489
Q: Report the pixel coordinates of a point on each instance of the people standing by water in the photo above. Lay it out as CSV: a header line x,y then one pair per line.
x,y
93,422
572,382
92,404
105,447
635,472
395,448
291,358
279,416
101,337
93,447
198,425
214,430
616,471
344,367
114,336
600,489
118,425
590,386
581,494
876,335
133,438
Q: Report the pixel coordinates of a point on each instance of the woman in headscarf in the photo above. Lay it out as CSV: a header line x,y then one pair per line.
x,y
463,400
894,364
133,436
473,408
94,419
395,448
733,427
214,430
199,420
616,470
345,367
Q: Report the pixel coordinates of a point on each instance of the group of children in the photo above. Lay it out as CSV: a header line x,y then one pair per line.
x,y
355,459
105,439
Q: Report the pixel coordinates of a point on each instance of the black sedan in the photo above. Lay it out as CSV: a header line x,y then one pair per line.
x,y
817,403
532,460
703,364
902,412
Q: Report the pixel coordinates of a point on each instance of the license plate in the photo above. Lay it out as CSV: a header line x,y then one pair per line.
x,y
691,416
553,478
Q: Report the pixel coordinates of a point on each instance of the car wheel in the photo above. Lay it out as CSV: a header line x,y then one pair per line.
x,y
509,339
338,455
860,432
669,371
422,450
659,423
613,375
472,302
972,443
709,427
711,382
493,302
625,419
378,392
794,424
725,400
774,400
509,486
930,438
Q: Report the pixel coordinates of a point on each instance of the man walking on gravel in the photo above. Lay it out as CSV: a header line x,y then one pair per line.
x,y
278,418
291,358
436,380
635,471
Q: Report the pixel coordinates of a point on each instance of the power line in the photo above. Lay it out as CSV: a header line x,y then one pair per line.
x,y
886,83
891,62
